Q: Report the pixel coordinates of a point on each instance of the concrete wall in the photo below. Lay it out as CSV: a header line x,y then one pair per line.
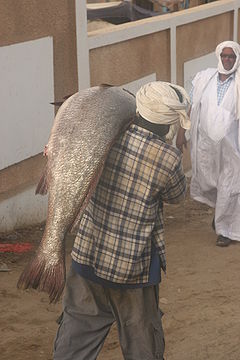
x,y
20,22
200,38
129,60
32,19
27,88
117,55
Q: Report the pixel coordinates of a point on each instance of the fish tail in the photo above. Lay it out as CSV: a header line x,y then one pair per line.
x,y
47,278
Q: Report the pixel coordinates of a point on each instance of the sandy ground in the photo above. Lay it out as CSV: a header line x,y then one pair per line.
x,y
199,296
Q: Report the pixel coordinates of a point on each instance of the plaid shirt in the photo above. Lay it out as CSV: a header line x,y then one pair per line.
x,y
125,213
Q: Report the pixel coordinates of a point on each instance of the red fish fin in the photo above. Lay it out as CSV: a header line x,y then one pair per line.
x,y
47,278
42,187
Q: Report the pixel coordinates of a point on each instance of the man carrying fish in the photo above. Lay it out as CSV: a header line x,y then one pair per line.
x,y
119,249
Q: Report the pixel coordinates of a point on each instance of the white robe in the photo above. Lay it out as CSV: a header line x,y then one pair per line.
x,y
215,152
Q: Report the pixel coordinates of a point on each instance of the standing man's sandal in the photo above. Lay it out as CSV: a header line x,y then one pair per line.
x,y
223,241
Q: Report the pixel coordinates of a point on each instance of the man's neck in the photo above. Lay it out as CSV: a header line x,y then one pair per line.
x,y
223,77
158,129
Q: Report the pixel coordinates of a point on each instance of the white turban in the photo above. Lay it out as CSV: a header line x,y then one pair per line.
x,y
159,103
236,48
236,68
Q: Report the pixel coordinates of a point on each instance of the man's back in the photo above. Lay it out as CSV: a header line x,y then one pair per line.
x,y
125,212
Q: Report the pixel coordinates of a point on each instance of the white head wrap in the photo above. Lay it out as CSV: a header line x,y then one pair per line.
x,y
236,67
159,103
236,48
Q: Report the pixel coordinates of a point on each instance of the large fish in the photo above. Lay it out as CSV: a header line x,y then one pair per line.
x,y
85,127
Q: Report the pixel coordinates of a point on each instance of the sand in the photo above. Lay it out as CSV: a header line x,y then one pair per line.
x,y
199,295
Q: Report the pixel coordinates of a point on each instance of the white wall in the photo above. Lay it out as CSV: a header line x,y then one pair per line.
x,y
134,86
196,65
27,88
22,209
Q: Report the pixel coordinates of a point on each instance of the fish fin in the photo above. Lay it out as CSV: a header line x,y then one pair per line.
x,y
92,186
109,85
129,92
42,187
106,85
57,103
73,229
44,277
67,96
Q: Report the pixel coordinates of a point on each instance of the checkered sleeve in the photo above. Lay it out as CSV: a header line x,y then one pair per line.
x,y
175,188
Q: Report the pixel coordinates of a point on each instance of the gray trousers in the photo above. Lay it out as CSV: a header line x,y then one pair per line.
x,y
89,311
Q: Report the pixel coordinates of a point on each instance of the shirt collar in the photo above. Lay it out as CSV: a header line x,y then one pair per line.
x,y
146,133
232,76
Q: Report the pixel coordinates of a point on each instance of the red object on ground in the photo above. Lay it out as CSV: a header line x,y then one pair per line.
x,y
15,248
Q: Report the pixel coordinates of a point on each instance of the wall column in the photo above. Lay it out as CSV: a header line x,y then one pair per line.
x,y
82,45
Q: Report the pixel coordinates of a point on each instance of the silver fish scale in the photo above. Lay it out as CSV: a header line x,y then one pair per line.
x,y
84,127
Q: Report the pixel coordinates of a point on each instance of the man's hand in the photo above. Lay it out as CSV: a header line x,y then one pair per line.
x,y
181,141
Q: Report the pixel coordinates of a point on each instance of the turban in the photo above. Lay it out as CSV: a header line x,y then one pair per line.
x,y
236,48
236,68
159,103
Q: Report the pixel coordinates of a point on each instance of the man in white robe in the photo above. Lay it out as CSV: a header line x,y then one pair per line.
x,y
215,141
